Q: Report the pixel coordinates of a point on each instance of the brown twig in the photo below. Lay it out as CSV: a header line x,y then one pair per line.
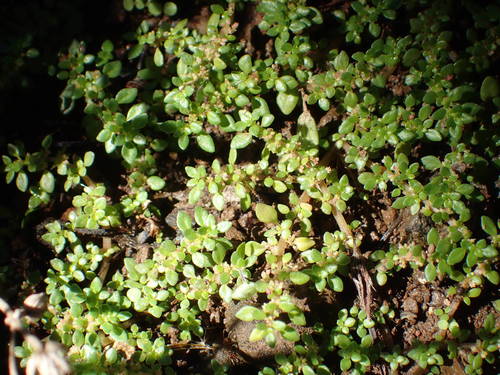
x,y
362,279
46,358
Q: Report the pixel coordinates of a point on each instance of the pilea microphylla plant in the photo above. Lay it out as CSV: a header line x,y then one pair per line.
x,y
274,187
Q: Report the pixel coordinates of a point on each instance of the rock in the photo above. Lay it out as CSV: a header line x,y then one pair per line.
x,y
239,333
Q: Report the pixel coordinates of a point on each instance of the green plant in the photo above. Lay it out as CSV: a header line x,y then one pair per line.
x,y
293,156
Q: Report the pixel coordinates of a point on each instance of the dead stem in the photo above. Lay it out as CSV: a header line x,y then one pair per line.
x,y
362,280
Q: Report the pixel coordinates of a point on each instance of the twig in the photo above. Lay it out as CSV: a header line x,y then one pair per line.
x,y
45,359
362,281
12,357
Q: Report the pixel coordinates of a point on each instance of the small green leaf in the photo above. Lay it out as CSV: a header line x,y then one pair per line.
x,y
493,277
126,96
112,69
489,88
183,141
103,136
270,339
341,62
299,278
242,100
47,141
219,64
47,182
287,102
226,293
374,29
411,56
184,221
488,226
107,46
88,158
290,334
340,205
96,285
303,243
129,152
206,143
172,277
307,370
430,272
307,127
32,53
456,256
379,81
433,135
136,110
351,99
345,364
200,260
134,294
381,278
170,8
337,284
218,201
347,125
266,213
154,8
465,189
241,140
195,195
244,291
250,313
279,186
312,256
257,334
78,338
280,85
431,162
22,181
267,120
253,248
15,150
368,179
245,63
213,118
433,237
156,183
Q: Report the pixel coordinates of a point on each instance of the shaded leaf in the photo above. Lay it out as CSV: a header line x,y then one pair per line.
x,y
126,95
287,102
489,88
112,69
488,226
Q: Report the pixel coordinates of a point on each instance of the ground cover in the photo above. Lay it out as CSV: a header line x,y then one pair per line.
x,y
271,187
